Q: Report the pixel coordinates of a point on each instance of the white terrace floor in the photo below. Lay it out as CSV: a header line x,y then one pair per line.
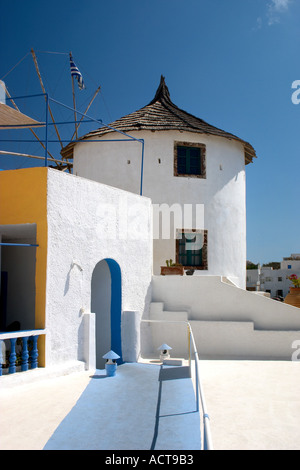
x,y
252,405
134,410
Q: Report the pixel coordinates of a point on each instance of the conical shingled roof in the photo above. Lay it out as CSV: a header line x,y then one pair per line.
x,y
161,115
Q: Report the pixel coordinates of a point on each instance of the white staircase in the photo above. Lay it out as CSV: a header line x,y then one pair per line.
x,y
172,333
270,332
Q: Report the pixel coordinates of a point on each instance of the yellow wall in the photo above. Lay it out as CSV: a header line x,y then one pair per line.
x,y
23,199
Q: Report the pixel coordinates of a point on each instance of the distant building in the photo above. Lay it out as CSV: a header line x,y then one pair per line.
x,y
274,281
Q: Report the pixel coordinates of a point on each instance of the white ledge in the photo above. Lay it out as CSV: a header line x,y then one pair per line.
x,y
21,334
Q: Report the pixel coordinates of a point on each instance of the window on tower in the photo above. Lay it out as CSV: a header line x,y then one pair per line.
x,y
191,248
189,159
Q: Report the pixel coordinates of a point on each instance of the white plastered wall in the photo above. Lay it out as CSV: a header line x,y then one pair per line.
x,y
85,226
222,192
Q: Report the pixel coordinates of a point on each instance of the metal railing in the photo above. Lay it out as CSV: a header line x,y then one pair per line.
x,y
207,438
207,443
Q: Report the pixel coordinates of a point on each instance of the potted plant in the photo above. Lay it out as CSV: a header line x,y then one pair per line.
x,y
293,298
172,268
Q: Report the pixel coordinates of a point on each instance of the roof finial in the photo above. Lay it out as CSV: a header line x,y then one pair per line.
x,y
162,92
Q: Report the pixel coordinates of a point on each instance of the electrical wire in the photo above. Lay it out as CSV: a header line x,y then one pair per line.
x,y
15,66
50,52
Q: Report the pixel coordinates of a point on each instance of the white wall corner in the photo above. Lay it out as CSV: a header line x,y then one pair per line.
x,y
89,340
131,336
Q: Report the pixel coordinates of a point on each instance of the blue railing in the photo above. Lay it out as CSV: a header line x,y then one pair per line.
x,y
23,356
207,443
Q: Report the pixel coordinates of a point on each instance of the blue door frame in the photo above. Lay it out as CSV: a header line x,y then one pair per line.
x,y
116,307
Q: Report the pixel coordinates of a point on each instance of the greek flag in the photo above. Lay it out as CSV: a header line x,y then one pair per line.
x,y
75,73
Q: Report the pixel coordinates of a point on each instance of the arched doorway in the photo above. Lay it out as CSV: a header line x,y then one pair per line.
x,y
106,303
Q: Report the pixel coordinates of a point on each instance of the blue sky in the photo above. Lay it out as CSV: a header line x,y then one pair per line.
x,y
229,62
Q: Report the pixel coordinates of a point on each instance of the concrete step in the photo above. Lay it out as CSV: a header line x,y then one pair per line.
x,y
222,338
238,339
157,312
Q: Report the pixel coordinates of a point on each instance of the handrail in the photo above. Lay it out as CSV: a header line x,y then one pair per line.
x,y
21,333
207,437
206,420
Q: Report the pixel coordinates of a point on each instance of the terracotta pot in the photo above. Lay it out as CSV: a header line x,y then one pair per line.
x,y
293,298
172,270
